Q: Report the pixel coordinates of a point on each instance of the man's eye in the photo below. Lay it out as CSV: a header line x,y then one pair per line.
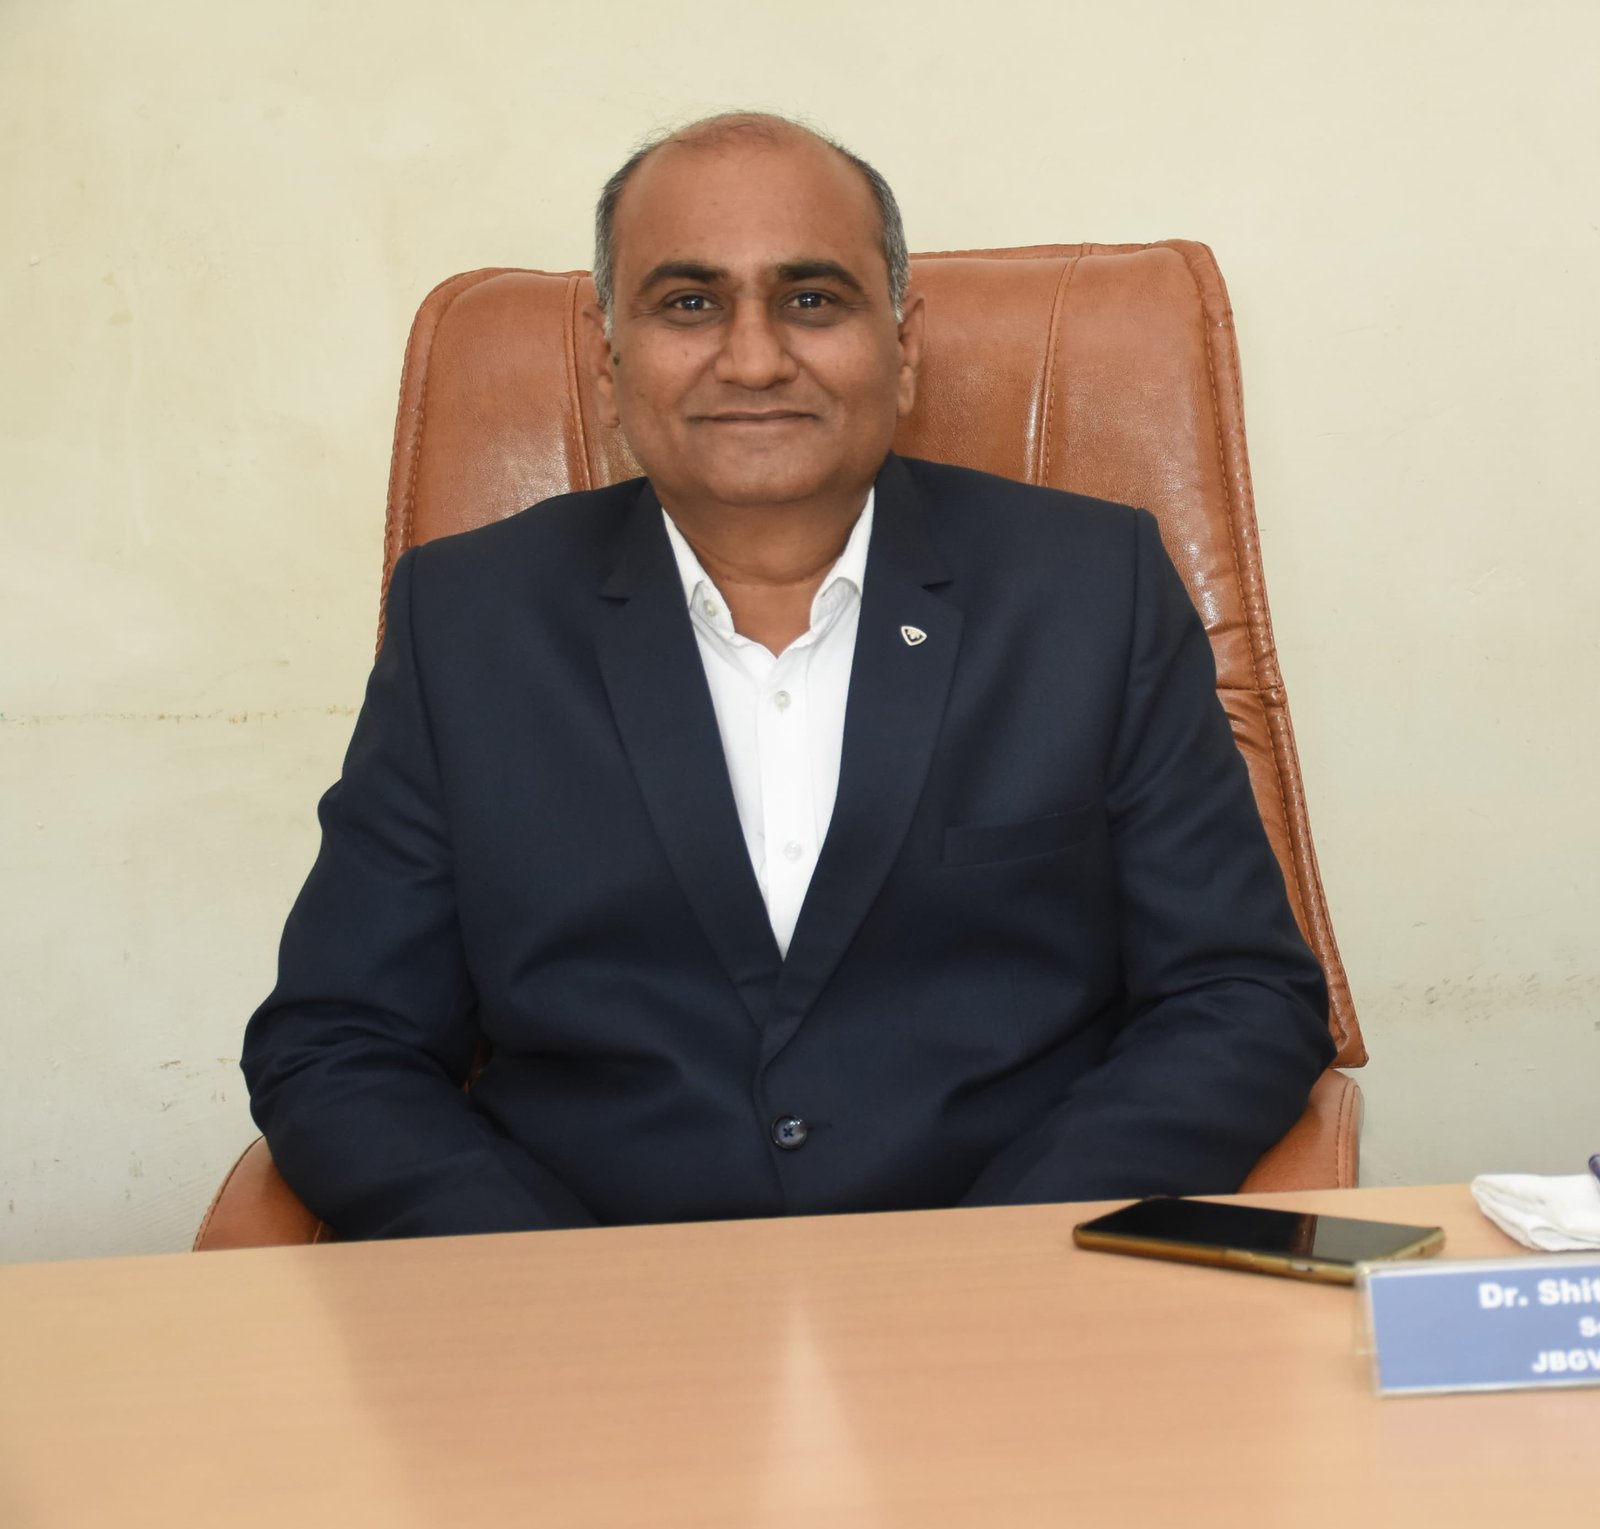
x,y
811,300
686,307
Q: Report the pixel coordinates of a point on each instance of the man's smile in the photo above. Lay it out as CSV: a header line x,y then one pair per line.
x,y
756,417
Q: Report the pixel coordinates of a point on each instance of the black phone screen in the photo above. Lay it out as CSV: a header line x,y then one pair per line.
x,y
1252,1229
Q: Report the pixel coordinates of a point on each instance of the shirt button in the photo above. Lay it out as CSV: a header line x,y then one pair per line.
x,y
792,851
789,1132
781,700
712,609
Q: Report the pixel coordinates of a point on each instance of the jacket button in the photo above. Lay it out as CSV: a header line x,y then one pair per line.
x,y
789,1132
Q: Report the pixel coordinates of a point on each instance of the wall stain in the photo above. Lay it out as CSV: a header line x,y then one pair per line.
x,y
1494,997
44,719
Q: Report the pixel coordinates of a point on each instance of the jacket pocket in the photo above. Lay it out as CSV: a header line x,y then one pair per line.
x,y
983,843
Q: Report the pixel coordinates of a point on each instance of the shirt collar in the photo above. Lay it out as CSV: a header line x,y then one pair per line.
x,y
851,568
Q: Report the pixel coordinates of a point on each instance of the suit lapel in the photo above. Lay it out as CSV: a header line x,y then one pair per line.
x,y
656,684
892,721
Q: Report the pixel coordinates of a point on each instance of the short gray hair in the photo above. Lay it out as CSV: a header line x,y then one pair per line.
x,y
762,127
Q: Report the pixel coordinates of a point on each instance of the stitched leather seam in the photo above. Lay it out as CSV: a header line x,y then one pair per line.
x,y
1034,252
397,537
409,504
1051,367
216,1200
1229,488
1312,890
1339,997
1349,1137
1228,484
1294,800
569,338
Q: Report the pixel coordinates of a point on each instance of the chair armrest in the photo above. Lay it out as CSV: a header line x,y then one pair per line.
x,y
256,1209
1323,1146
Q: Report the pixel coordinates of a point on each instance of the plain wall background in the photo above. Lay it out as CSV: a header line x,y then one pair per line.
x,y
218,220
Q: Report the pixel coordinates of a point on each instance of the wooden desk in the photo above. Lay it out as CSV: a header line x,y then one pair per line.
x,y
946,1368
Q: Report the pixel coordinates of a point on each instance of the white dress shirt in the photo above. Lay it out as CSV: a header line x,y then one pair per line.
x,y
781,718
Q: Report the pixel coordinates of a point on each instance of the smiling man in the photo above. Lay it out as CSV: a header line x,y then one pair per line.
x,y
795,829
757,351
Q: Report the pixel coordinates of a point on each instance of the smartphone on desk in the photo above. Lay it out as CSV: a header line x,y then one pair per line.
x,y
1291,1243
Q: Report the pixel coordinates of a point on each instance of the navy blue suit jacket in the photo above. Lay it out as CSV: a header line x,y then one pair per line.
x,y
1046,953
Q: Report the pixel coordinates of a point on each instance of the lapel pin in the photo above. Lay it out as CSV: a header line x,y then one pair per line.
x,y
913,635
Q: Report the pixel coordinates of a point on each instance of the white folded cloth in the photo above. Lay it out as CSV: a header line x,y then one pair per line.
x,y
1553,1213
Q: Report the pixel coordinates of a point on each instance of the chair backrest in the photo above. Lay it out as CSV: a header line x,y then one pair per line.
x,y
1109,369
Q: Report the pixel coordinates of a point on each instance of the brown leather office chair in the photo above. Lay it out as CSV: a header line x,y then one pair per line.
x,y
1110,369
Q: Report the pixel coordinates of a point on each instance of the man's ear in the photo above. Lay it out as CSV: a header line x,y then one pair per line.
x,y
910,352
597,356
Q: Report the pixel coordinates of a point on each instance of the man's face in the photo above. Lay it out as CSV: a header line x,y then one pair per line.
x,y
755,358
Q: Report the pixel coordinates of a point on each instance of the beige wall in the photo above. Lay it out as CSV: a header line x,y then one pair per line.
x,y
216,220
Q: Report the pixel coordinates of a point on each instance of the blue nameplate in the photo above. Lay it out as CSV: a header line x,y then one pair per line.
x,y
1485,1325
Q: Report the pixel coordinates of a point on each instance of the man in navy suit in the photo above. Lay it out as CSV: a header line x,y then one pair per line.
x,y
798,829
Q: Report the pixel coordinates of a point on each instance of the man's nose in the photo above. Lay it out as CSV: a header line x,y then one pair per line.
x,y
755,351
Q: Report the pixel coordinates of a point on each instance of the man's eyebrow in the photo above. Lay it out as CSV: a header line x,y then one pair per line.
x,y
681,270
793,270
811,270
